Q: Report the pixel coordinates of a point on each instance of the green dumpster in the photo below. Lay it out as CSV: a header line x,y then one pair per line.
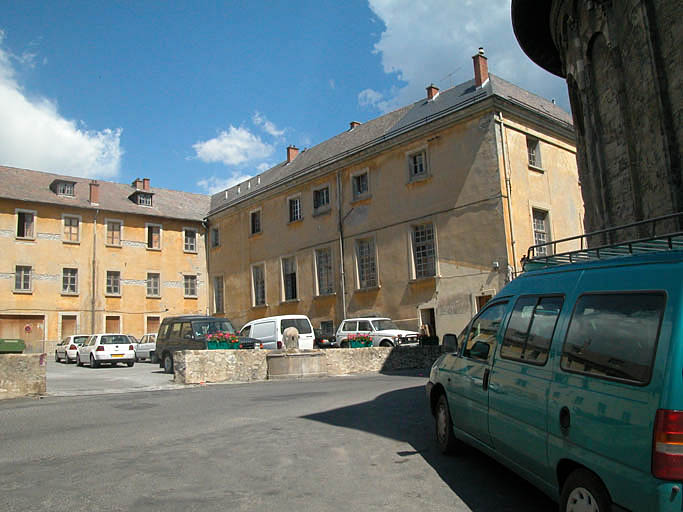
x,y
11,346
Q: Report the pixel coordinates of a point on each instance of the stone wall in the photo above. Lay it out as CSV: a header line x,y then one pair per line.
x,y
380,359
199,366
22,375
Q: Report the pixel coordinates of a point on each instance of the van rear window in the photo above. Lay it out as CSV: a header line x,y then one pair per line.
x,y
302,325
614,335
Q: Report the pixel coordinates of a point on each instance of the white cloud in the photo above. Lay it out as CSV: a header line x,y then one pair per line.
x,y
234,147
432,41
34,135
260,120
215,184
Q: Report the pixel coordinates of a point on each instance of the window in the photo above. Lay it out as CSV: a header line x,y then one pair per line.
x,y
323,266
153,284
218,294
294,209
366,263
114,232
289,277
423,250
113,282
22,278
417,165
327,327
215,237
255,222
70,280
533,148
482,337
190,286
541,232
300,324
364,326
190,244
144,199
360,185
25,224
153,236
71,229
614,336
350,326
65,189
531,329
321,199
259,284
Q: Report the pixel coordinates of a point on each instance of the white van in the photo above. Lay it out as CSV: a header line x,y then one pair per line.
x,y
270,330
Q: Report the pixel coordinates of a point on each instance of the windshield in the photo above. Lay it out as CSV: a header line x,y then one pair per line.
x,y
383,325
114,339
203,327
302,325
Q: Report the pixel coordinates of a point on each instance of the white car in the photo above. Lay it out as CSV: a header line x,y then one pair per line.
x,y
147,347
106,348
383,331
270,331
67,349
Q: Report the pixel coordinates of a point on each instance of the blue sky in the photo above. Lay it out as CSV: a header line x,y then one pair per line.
x,y
200,95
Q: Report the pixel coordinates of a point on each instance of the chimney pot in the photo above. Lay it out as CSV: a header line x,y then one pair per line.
x,y
94,192
145,183
292,151
432,91
353,124
481,68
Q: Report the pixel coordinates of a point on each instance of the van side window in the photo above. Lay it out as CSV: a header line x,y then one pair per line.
x,y
186,330
245,331
164,331
614,335
481,341
531,328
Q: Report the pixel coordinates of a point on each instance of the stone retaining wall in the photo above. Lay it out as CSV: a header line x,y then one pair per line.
x,y
379,359
199,366
22,375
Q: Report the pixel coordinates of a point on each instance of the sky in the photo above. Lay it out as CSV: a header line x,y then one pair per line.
x,y
200,95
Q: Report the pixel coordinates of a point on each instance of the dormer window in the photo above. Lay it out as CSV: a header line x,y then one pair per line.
x,y
63,188
144,199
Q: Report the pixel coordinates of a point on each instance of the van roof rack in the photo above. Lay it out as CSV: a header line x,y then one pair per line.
x,y
649,240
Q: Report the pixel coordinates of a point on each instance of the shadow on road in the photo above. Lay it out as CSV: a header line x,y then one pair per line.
x,y
482,483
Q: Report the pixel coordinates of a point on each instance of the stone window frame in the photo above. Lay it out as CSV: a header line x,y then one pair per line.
x,y
17,212
544,208
409,155
29,289
113,293
112,315
196,240
262,265
412,249
78,229
283,296
107,222
316,275
360,196
299,211
60,315
77,279
149,225
357,263
147,287
187,278
258,211
327,207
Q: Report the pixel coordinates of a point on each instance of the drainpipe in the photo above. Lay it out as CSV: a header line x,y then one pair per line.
x,y
508,189
94,269
341,244
209,279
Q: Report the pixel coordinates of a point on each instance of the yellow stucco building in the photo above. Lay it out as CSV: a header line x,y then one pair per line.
x,y
421,214
80,256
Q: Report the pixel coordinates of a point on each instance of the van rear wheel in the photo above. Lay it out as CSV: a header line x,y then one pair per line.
x,y
444,427
584,492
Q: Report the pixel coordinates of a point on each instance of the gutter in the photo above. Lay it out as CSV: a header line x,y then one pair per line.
x,y
94,272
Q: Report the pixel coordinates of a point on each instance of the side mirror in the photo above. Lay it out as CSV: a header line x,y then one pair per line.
x,y
480,350
450,343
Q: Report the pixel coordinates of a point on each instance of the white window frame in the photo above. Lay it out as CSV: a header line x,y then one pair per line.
x,y
139,198
120,292
549,233
213,294
425,164
283,296
538,161
80,223
367,194
17,211
147,294
67,184
295,197
107,221
357,262
260,222
70,267
196,286
315,271
28,290
261,264
411,243
161,235
326,207
196,240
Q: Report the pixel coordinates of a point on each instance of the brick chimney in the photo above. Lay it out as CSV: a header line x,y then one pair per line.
x,y
353,124
292,151
145,183
481,68
94,192
137,184
432,91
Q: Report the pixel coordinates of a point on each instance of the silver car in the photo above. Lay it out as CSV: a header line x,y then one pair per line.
x,y
67,349
147,347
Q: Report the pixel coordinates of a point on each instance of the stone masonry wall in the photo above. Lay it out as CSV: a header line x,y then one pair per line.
x,y
378,359
22,375
198,366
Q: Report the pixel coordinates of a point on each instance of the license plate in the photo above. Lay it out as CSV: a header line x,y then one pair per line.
x,y
117,355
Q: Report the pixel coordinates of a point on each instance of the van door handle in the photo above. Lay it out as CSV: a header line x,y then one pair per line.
x,y
485,383
565,419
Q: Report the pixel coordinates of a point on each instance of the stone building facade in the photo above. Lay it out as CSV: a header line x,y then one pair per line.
x,y
622,61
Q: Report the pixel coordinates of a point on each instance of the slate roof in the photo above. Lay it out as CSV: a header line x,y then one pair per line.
x,y
386,127
27,185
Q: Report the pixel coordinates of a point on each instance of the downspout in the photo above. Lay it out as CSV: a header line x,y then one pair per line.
x,y
94,270
508,190
209,279
341,244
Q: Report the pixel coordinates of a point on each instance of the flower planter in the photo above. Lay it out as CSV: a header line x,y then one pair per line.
x,y
360,344
222,345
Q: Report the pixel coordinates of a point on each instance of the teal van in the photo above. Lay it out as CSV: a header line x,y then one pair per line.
x,y
572,376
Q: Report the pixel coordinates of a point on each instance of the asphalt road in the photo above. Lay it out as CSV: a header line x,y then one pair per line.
x,y
354,443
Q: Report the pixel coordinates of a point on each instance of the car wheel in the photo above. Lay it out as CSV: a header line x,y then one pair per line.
x,y
78,360
168,363
56,357
344,344
386,343
93,362
583,491
130,363
444,427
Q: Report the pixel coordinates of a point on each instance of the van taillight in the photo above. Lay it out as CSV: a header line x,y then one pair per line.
x,y
667,446
279,344
99,349
73,347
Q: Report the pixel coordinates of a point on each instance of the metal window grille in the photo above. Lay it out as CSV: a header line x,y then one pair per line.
x,y
289,277
259,283
360,185
113,282
22,278
255,222
113,233
70,280
25,225
323,263
71,229
294,209
367,266
540,221
190,286
153,237
153,284
321,197
218,294
190,240
423,250
417,164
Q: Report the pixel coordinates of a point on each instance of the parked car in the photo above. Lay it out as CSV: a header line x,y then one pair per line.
x,y
134,341
383,331
324,339
571,376
269,331
188,332
106,348
67,349
146,347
